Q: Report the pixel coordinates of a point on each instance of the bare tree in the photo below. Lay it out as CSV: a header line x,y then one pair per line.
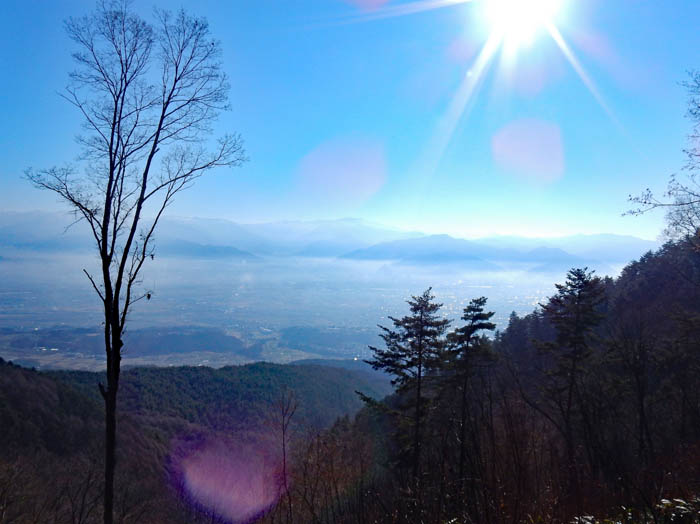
x,y
280,421
681,200
148,95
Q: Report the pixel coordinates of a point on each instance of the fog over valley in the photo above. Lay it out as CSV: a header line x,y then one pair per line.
x,y
280,291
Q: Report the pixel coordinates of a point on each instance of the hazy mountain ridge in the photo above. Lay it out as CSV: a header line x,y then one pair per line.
x,y
603,246
444,249
347,238
317,238
184,248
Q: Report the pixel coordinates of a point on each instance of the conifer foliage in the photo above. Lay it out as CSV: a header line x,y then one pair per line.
x,y
465,346
574,312
412,348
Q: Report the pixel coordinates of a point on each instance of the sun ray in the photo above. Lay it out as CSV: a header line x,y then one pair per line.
x,y
581,72
409,8
460,103
515,25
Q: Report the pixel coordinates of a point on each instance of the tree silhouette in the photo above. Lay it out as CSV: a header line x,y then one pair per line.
x,y
681,199
464,342
148,95
412,347
574,313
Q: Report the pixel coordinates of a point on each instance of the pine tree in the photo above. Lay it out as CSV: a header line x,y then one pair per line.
x,y
465,343
412,348
574,312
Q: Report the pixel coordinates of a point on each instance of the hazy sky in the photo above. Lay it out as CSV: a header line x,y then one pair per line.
x,y
413,121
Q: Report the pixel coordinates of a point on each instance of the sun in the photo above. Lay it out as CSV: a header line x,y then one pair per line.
x,y
512,27
517,22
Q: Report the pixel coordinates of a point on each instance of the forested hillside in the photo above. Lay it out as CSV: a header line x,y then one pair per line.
x,y
586,409
51,438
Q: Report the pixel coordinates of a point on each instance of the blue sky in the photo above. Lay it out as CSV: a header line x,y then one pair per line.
x,y
346,112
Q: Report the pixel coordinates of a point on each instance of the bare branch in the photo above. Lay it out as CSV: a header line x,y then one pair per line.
x,y
681,200
63,182
94,285
148,97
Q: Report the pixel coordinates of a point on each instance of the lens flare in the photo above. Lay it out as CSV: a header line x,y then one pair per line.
x,y
342,171
531,149
234,482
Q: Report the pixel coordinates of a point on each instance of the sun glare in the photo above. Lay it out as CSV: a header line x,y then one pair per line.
x,y
512,26
518,21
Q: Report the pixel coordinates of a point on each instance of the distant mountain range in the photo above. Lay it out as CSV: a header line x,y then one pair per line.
x,y
347,239
603,246
444,249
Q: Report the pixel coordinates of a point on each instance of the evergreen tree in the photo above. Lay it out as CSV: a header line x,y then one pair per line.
x,y
465,344
413,347
574,312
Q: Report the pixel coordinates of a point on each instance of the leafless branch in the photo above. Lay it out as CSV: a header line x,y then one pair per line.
x,y
94,285
148,95
681,200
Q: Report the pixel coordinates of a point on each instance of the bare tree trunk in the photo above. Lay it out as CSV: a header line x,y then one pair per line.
x,y
417,428
463,432
113,348
110,458
110,398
